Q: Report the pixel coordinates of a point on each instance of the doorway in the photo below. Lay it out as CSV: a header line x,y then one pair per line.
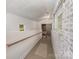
x,y
46,30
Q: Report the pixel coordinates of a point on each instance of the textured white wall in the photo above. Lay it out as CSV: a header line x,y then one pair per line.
x,y
21,49
63,41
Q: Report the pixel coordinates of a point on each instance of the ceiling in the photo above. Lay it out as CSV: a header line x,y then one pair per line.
x,y
31,9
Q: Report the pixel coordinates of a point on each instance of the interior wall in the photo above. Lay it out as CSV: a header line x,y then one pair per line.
x,y
46,21
62,41
12,26
48,27
19,50
13,22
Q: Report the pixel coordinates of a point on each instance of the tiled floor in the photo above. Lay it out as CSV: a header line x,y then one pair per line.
x,y
42,50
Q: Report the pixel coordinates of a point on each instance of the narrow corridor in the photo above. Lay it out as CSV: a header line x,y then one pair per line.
x,y
29,20
42,50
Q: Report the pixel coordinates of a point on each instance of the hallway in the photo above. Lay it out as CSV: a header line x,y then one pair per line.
x,y
24,29
42,50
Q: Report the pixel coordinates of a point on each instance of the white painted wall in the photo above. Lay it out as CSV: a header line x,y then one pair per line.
x,y
63,41
46,21
21,49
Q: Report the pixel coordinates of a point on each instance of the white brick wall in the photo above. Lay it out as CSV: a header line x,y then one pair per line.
x,y
63,41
